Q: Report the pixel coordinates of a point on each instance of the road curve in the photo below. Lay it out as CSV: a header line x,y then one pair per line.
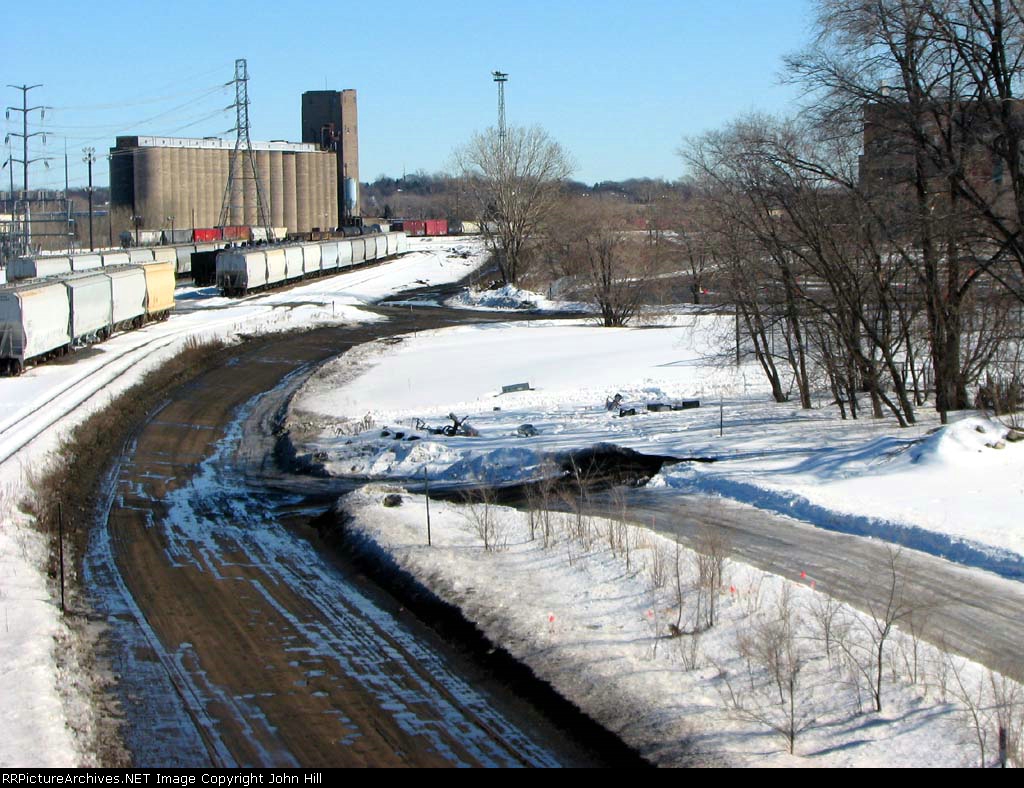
x,y
236,643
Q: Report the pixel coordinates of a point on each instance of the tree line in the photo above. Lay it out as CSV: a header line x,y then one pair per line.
x,y
881,227
871,243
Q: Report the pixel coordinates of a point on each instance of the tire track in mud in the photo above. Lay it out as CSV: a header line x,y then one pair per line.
x,y
248,647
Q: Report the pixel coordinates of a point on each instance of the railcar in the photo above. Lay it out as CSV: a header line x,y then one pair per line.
x,y
35,322
91,302
246,269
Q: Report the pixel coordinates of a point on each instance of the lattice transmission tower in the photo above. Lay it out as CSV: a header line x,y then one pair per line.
x,y
245,163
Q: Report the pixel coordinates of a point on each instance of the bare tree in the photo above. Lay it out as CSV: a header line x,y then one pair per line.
x,y
825,610
761,268
691,220
778,695
865,641
482,515
712,551
615,266
931,85
513,180
975,705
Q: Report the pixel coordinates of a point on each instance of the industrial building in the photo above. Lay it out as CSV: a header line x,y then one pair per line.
x,y
172,181
330,120
161,183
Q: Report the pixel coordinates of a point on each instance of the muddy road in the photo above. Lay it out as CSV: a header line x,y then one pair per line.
x,y
237,641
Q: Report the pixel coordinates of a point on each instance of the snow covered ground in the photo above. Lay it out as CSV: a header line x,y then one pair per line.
x,y
955,491
588,605
512,298
38,408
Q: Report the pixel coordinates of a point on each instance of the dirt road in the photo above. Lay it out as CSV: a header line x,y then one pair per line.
x,y
236,642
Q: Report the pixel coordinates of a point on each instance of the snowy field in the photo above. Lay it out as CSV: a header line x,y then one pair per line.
x,y
589,604
955,491
42,708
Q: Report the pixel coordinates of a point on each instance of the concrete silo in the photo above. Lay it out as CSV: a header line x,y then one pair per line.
x,y
291,210
206,191
276,188
160,177
319,181
302,193
171,163
250,216
221,162
263,174
148,196
190,195
332,196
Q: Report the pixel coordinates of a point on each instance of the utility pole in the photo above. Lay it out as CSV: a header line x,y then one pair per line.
x,y
24,109
242,140
90,157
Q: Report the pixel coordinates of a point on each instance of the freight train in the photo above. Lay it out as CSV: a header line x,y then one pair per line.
x,y
56,303
244,269
59,265
44,318
206,243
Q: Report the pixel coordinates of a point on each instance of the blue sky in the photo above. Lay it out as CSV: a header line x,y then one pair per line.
x,y
618,84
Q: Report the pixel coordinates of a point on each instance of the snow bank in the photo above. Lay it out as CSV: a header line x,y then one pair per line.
x,y
955,492
510,297
593,623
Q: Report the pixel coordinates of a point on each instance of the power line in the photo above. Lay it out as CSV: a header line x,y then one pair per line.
x,y
90,157
25,109
148,99
242,140
25,135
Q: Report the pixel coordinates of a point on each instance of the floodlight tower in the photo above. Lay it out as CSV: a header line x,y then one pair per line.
x,y
501,79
